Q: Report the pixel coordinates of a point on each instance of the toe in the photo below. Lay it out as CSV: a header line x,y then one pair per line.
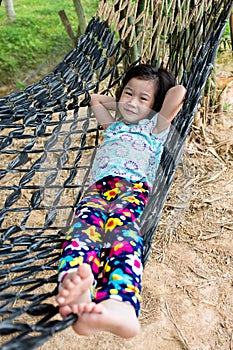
x,y
80,308
84,271
88,307
98,309
75,309
60,300
69,287
65,310
64,292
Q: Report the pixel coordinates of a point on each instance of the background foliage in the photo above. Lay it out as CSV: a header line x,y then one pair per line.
x,y
36,37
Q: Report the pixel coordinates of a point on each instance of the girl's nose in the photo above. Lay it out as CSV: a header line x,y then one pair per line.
x,y
132,101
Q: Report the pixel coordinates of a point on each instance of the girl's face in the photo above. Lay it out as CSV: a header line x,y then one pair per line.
x,y
137,100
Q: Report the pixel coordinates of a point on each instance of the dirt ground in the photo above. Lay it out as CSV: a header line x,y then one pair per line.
x,y
187,299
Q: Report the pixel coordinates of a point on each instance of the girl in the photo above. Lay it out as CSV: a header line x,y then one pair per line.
x,y
100,269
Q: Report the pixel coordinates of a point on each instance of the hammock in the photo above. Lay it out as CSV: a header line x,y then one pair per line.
x,y
49,137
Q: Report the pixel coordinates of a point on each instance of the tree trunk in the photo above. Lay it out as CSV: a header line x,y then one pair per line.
x,y
10,11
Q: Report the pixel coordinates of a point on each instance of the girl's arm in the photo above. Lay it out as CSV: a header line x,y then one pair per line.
x,y
101,105
171,106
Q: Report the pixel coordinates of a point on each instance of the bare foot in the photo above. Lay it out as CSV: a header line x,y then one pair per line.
x,y
75,289
110,315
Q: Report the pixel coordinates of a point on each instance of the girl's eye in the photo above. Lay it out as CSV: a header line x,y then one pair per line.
x,y
128,93
144,99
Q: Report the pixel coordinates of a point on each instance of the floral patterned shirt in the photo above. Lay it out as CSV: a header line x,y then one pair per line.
x,y
130,151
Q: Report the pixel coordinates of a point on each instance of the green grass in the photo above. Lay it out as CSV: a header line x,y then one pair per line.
x,y
36,35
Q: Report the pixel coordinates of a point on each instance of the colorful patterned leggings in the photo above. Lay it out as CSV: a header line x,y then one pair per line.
x,y
106,235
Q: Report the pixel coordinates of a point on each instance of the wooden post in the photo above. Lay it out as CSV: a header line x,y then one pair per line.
x,y
10,11
67,26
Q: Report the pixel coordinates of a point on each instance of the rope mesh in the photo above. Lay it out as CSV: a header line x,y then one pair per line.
x,y
49,137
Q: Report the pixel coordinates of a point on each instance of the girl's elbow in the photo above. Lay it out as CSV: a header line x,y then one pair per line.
x,y
94,99
181,90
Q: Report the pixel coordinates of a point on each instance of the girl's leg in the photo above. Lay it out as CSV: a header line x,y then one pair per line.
x,y
82,245
123,268
118,289
115,310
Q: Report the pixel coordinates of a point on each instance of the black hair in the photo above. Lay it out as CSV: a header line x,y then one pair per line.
x,y
163,79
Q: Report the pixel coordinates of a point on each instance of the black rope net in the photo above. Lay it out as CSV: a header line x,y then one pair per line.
x,y
49,137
